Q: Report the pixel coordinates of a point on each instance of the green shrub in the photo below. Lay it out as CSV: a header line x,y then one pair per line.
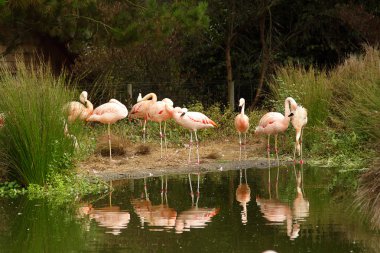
x,y
33,141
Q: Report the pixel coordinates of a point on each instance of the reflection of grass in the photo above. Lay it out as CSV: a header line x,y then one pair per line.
x,y
368,194
32,141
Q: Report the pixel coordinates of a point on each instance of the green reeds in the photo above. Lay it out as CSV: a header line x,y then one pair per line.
x,y
357,85
309,87
32,142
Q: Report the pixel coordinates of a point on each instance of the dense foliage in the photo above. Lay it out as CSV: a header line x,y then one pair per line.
x,y
186,46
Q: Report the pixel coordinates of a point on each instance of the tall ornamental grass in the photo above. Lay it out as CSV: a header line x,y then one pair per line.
x,y
32,142
357,93
309,87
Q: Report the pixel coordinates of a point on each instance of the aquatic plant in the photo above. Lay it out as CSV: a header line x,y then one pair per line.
x,y
32,141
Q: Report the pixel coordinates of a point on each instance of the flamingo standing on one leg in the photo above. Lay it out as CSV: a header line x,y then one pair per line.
x,y
192,121
140,109
158,112
299,120
109,113
242,123
275,123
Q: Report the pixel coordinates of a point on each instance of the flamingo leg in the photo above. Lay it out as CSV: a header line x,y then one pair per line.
x,y
240,145
245,175
144,130
278,160
241,175
161,138
196,139
190,145
198,193
301,142
109,140
269,176
245,145
166,144
191,191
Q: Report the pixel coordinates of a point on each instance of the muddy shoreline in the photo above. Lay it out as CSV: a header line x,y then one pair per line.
x,y
260,163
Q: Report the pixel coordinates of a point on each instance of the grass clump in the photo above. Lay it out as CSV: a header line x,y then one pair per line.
x,y
32,140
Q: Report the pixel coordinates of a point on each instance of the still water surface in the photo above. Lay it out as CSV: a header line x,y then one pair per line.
x,y
232,211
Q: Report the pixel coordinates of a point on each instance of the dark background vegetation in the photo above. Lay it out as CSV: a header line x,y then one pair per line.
x,y
209,51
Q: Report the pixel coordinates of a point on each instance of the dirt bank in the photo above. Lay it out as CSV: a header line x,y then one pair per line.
x,y
143,160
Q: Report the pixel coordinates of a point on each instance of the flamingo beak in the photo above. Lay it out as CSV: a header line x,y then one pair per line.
x,y
291,114
183,114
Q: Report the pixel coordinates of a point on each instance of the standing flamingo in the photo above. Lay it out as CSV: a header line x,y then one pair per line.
x,y
192,121
79,110
140,109
109,113
275,123
158,112
299,121
242,123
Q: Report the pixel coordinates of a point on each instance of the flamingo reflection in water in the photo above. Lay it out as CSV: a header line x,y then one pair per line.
x,y
243,196
278,213
158,217
195,217
110,216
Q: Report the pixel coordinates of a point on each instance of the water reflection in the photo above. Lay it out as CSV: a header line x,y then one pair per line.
x,y
243,196
158,217
278,212
195,217
110,216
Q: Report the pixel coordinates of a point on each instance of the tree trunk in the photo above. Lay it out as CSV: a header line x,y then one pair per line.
x,y
265,59
230,81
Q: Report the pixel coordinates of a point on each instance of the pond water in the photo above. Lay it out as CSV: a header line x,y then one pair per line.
x,y
231,211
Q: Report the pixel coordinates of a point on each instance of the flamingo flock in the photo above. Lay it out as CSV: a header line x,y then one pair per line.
x,y
148,108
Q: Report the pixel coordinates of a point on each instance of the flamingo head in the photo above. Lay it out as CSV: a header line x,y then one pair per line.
x,y
183,111
241,102
83,97
139,98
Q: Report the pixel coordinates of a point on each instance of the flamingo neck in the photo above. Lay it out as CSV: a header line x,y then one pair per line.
x,y
89,106
242,109
152,96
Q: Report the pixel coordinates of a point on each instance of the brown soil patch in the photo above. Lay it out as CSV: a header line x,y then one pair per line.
x,y
137,159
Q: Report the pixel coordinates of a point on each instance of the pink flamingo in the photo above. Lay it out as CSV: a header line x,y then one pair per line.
x,y
158,112
275,123
242,123
140,109
79,110
109,113
299,120
192,121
